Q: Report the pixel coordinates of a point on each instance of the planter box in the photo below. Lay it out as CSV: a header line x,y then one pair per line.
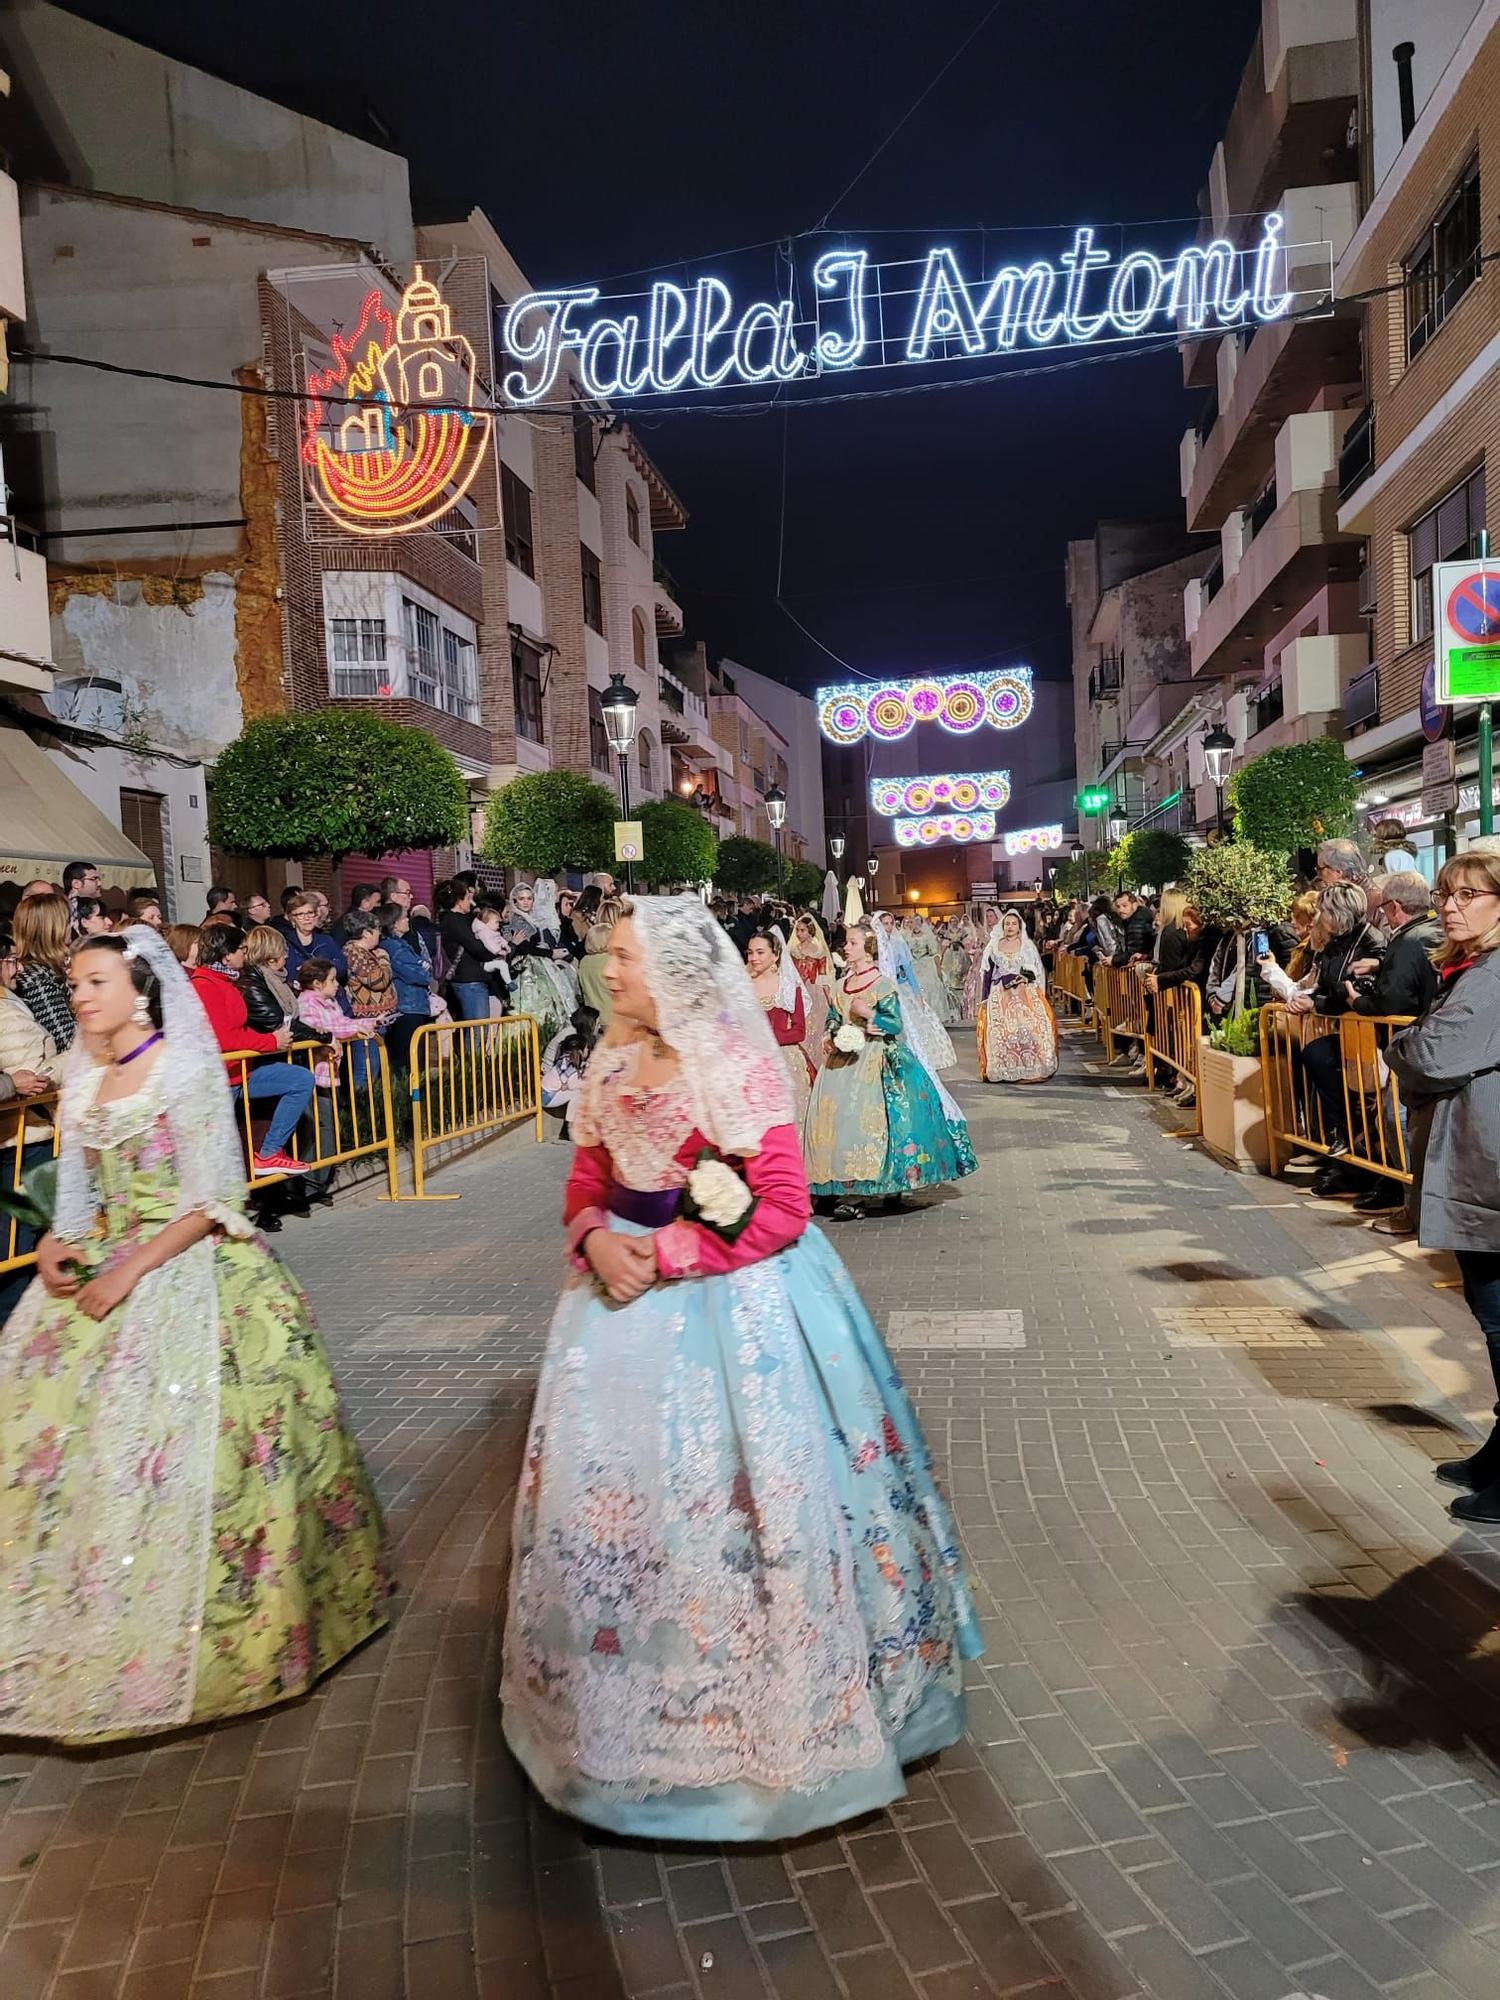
x,y
1232,1108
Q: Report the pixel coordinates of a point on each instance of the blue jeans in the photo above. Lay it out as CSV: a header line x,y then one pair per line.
x,y
292,1089
471,999
1480,1271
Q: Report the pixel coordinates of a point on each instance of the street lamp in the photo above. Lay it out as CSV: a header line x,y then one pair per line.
x,y
872,869
836,848
1119,826
1218,755
776,814
1077,854
619,703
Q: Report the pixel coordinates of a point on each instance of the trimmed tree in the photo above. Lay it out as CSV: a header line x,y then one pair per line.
x,y
745,866
1291,798
677,843
1150,858
338,781
550,820
1238,889
804,883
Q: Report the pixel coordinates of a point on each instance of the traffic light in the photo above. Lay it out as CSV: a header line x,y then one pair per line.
x,y
1092,800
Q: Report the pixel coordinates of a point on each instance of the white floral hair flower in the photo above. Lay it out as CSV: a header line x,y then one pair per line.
x,y
718,1193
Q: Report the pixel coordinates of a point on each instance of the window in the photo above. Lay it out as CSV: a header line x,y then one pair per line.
x,y
1445,533
460,680
638,640
632,516
141,820
643,751
515,505
593,589
526,686
583,446
1444,264
598,734
422,633
357,651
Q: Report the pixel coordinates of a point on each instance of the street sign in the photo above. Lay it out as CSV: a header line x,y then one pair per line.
x,y
1439,791
1466,630
628,843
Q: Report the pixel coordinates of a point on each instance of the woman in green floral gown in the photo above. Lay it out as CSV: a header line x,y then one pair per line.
x,y
189,1531
879,1124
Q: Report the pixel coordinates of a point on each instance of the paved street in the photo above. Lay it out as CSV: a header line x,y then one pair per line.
x,y
1232,1736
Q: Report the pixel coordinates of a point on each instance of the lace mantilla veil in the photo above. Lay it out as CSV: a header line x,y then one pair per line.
x,y
189,1084
708,1012
790,984
912,1013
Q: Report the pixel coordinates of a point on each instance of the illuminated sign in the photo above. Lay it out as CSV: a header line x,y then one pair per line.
x,y
1034,840
851,313
890,710
391,439
960,792
944,826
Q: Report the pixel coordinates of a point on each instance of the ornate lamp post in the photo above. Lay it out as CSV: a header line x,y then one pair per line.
x,y
619,703
1218,756
1079,853
776,814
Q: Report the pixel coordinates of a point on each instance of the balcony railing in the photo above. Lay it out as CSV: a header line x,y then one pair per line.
x,y
670,695
1266,707
1361,700
1260,511
665,579
1357,453
1105,678
1213,579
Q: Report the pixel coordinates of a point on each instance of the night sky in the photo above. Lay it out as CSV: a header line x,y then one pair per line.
x,y
922,532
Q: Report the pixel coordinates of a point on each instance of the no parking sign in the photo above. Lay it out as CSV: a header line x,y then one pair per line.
x,y
1466,626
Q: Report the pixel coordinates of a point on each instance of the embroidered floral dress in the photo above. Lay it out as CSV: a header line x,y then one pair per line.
x,y
877,1123
1016,1033
737,1602
188,1529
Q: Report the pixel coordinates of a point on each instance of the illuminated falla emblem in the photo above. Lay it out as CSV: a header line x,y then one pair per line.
x,y
857,314
1034,840
960,827
961,703
953,792
404,442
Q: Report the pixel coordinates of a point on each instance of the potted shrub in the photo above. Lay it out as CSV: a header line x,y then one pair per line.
x,y
1239,889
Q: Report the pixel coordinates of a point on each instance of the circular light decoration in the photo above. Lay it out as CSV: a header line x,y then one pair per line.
x,y
917,796
1009,701
994,788
888,714
957,791
887,796
964,793
841,720
963,827
964,708
960,702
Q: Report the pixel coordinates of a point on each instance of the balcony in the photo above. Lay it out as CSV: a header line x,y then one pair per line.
x,y
670,623
1291,118
25,615
1357,453
1105,678
1361,702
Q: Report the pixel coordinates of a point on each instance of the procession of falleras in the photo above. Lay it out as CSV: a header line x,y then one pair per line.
x,y
737,1604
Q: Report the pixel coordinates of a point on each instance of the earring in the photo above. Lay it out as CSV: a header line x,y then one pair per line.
x,y
140,1013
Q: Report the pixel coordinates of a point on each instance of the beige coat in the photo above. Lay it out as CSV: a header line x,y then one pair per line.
x,y
25,1044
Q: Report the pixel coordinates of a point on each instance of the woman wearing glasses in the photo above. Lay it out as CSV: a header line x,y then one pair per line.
x,y
1448,1070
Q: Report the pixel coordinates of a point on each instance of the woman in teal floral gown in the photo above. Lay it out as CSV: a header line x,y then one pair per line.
x,y
879,1124
189,1531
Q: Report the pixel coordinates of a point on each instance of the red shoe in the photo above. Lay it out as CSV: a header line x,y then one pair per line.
x,y
279,1163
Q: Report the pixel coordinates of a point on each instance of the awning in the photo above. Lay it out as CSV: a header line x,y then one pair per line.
x,y
46,822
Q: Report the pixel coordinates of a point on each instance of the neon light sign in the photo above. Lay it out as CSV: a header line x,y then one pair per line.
x,y
1034,840
962,703
963,793
403,443
863,315
961,827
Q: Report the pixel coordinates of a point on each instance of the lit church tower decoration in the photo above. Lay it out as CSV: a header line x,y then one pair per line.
x,y
413,442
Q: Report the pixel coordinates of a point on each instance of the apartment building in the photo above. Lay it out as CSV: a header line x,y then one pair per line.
x,y
1273,625
1414,479
1135,700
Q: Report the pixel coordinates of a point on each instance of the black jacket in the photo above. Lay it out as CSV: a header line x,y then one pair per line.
x,y
263,1011
1182,961
1407,981
1137,935
1328,995
466,952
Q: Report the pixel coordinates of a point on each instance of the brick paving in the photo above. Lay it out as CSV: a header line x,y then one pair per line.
x,y
1232,1738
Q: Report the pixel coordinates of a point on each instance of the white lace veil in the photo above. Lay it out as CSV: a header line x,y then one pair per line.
x,y
820,945
189,1083
708,1012
544,910
790,983
925,1035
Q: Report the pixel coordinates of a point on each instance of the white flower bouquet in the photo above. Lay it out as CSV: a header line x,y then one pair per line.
x,y
716,1197
850,1039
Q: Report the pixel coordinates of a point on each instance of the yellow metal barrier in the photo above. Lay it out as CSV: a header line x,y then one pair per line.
x,y
1174,1036
1295,1121
28,1123
469,1078
351,1115
1070,981
1120,1005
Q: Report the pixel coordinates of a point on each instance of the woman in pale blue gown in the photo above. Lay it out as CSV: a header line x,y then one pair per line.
x,y
737,1603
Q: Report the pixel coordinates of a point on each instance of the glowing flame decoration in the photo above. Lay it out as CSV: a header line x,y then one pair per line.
x,y
962,791
407,440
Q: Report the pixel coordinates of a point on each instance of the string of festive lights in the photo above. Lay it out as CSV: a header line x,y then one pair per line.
x,y
960,703
1034,840
964,791
964,828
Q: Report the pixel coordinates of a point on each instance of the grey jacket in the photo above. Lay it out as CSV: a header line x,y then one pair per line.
x,y
1448,1070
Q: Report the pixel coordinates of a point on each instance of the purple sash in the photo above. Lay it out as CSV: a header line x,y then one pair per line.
x,y
651,1208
